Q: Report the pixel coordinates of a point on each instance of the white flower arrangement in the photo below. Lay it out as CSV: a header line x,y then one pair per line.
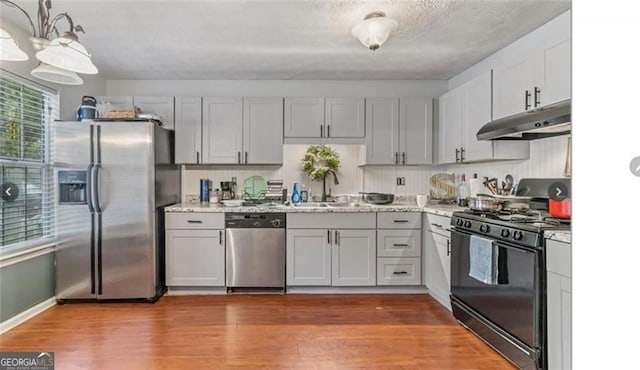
x,y
318,160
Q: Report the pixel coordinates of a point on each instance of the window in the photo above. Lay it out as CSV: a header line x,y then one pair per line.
x,y
27,111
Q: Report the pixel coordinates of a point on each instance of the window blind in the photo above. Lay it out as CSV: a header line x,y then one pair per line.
x,y
27,112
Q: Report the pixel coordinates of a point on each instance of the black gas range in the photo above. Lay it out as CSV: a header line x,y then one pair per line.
x,y
524,227
498,275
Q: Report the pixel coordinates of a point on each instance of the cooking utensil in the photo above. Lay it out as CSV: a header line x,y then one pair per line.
x,y
377,198
560,208
484,203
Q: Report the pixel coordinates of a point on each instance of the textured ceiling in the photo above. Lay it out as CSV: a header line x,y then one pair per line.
x,y
294,39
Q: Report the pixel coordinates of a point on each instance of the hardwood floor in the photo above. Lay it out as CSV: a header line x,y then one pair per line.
x,y
256,331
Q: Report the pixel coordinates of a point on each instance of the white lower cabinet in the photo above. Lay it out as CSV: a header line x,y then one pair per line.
x,y
399,248
308,257
438,261
195,252
320,252
353,254
558,305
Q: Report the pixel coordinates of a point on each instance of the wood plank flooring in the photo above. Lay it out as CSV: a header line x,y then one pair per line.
x,y
256,332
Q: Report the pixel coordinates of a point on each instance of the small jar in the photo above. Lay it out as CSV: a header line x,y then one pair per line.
x,y
215,196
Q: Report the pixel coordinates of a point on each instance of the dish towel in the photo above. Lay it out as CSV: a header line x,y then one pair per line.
x,y
483,260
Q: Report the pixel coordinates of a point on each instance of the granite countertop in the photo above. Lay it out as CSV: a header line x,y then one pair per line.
x,y
439,209
561,236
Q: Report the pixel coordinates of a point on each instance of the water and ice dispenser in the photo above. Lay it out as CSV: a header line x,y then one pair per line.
x,y
72,187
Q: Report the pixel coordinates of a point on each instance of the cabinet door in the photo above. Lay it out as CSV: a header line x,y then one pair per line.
x,y
222,130
382,131
262,131
195,258
556,81
308,257
511,83
416,131
160,105
439,269
303,117
353,258
450,126
344,117
188,129
559,321
476,112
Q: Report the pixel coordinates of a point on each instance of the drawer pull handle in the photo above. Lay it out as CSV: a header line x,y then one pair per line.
x,y
449,230
401,221
400,245
437,225
400,272
194,221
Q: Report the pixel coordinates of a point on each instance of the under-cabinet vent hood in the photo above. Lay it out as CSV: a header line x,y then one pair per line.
x,y
553,120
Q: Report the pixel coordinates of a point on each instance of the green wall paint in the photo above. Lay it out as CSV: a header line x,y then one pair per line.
x,y
25,284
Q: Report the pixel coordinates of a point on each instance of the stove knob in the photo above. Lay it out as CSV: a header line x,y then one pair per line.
x,y
467,224
484,228
459,222
505,233
517,235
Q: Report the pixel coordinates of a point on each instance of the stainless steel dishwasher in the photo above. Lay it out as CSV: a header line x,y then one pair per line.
x,y
256,250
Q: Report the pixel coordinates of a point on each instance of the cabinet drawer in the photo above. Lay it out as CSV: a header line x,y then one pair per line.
x,y
399,220
193,220
351,220
399,243
439,224
559,257
398,271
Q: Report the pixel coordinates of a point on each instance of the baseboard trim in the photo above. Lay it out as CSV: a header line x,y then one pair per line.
x,y
173,291
357,290
22,317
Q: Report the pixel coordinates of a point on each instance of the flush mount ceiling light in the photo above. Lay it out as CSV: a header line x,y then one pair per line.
x,y
374,30
64,53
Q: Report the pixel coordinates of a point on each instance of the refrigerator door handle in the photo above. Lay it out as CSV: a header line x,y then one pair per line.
x,y
92,212
90,188
96,187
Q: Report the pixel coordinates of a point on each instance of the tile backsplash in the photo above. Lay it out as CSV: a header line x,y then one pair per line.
x,y
547,160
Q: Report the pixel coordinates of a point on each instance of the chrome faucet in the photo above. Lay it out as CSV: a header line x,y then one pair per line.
x,y
324,183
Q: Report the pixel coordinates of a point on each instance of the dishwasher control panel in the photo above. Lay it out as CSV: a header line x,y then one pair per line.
x,y
255,220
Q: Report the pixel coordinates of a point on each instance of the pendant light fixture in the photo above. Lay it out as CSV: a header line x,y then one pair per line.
x,y
61,57
9,49
374,30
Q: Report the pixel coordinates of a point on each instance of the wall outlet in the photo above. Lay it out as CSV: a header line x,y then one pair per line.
x,y
400,181
191,198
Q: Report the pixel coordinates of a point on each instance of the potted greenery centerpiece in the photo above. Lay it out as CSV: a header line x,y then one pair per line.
x,y
318,162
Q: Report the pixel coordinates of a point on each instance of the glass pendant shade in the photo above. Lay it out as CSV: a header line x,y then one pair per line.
x,y
374,30
57,75
67,53
9,49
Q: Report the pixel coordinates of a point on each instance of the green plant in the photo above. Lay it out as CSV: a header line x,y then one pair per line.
x,y
318,160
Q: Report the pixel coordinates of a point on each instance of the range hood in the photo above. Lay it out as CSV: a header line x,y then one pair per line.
x,y
552,120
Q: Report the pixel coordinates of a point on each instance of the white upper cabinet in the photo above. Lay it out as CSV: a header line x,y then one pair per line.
x,y
242,131
463,111
344,117
262,131
188,129
304,117
222,130
536,80
399,131
324,118
163,106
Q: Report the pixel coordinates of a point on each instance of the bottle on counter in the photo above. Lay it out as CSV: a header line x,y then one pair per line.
x,y
295,194
474,185
304,194
463,192
204,190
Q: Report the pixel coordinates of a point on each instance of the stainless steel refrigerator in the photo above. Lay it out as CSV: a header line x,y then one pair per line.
x,y
112,181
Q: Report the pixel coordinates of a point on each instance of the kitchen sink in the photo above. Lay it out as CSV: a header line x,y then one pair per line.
x,y
329,205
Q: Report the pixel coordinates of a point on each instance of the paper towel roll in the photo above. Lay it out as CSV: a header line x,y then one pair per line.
x,y
474,186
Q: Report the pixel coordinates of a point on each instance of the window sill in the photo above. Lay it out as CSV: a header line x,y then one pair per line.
x,y
27,253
